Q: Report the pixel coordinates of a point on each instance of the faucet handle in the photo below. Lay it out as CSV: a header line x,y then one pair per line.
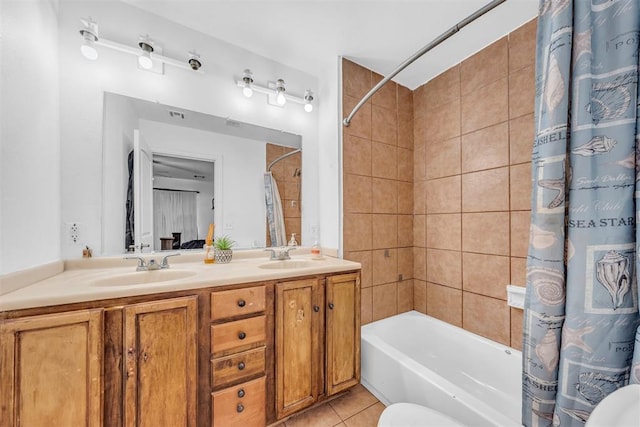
x,y
142,264
165,260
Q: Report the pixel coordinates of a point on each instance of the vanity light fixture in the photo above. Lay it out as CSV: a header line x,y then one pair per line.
x,y
145,50
276,92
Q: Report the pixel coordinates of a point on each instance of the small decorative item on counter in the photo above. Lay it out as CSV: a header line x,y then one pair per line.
x,y
223,251
316,251
86,252
209,252
293,241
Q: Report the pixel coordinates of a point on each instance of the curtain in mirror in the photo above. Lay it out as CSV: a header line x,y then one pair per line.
x,y
174,212
275,216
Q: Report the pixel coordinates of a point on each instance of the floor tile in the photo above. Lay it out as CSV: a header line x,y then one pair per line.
x,y
353,402
322,416
367,418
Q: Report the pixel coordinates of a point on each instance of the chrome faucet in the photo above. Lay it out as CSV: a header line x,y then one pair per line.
x,y
152,264
279,253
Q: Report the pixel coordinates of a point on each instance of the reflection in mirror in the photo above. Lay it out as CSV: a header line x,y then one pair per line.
x,y
232,156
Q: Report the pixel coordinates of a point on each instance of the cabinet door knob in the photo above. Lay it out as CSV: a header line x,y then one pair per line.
x,y
330,306
241,303
240,407
241,392
241,366
316,308
242,335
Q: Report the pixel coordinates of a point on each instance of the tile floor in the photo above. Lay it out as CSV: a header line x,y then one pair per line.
x,y
358,408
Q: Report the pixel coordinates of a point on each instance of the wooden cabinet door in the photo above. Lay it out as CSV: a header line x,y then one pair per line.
x,y
160,346
51,367
298,355
342,332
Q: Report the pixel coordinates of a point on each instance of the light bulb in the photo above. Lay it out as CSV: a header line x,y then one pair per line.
x,y
280,99
308,107
247,91
88,48
144,60
308,97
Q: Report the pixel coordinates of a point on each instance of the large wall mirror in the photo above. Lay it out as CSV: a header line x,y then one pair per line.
x,y
201,168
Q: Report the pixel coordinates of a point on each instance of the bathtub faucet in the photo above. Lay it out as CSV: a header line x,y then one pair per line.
x,y
280,253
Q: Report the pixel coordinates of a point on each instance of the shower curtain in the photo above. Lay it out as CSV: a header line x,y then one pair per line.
x,y
275,216
581,310
174,212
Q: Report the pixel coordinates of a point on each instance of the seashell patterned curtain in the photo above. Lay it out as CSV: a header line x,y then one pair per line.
x,y
581,309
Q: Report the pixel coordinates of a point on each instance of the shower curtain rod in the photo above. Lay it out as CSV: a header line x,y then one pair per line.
x,y
284,156
442,37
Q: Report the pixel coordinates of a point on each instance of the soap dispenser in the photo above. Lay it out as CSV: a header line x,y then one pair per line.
x,y
292,241
316,249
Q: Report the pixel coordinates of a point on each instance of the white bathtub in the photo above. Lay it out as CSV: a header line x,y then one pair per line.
x,y
415,358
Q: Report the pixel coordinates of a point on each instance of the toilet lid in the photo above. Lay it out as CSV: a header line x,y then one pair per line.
x,y
411,415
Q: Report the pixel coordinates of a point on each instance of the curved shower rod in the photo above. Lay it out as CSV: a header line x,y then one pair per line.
x,y
442,37
284,156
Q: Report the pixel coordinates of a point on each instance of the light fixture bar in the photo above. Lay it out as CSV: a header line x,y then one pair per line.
x,y
136,51
268,91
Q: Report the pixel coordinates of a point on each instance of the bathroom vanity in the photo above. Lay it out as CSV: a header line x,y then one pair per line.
x,y
246,343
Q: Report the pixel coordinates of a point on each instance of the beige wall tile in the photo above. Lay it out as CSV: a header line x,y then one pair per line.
x,y
385,195
419,230
484,67
485,106
361,123
521,136
444,303
405,263
520,187
485,148
522,46
405,198
442,158
385,300
443,122
384,160
445,268
357,232
444,88
386,95
385,266
443,195
405,100
522,92
366,305
487,317
384,125
405,165
419,263
420,296
419,164
356,80
419,196
357,194
486,274
443,231
420,132
405,130
366,261
357,155
405,296
405,231
518,271
420,99
486,233
486,190
520,225
385,231
516,328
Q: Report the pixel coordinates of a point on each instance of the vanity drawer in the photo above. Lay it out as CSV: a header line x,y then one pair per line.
x,y
242,405
238,335
237,302
239,366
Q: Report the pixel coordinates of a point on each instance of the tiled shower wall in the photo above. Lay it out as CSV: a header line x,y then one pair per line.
x,y
473,128
378,192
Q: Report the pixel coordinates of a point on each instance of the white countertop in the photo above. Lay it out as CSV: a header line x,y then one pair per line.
x,y
88,280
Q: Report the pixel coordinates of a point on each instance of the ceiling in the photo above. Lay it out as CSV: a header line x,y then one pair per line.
x,y
309,34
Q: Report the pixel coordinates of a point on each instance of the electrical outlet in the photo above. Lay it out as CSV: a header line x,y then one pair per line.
x,y
228,226
73,232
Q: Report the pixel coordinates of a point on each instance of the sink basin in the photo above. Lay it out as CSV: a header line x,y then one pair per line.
x,y
142,277
286,264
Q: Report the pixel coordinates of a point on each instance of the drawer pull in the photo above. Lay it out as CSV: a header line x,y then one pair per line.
x,y
242,335
241,392
241,303
316,308
330,306
240,407
241,366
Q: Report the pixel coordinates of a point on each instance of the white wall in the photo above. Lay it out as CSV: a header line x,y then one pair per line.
x,y
29,135
83,82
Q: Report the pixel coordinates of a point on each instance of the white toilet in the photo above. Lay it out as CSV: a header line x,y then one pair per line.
x,y
412,415
619,409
